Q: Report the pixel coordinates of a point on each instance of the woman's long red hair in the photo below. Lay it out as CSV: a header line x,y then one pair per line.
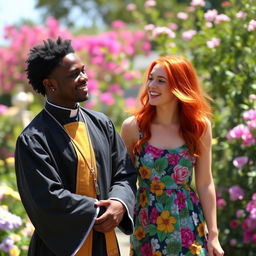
x,y
194,110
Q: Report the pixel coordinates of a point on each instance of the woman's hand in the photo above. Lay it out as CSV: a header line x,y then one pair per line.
x,y
214,247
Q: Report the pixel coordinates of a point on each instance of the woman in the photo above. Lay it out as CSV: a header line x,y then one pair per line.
x,y
168,138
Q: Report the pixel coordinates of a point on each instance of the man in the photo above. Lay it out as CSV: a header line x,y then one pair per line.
x,y
73,172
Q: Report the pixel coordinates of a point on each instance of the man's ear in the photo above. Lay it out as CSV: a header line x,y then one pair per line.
x,y
49,85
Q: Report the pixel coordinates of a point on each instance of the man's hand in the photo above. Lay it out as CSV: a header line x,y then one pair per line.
x,y
111,218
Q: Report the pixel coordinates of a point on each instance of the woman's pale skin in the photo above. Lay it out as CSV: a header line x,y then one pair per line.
x,y
165,135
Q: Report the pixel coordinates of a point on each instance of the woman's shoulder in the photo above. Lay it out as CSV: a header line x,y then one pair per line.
x,y
130,128
130,122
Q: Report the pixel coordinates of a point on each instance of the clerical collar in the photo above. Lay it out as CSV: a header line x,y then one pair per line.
x,y
69,111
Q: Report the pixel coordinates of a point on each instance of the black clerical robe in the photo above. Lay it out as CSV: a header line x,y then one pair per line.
x,y
46,165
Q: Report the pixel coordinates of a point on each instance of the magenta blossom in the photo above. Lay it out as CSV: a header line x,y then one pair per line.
x,y
236,193
130,102
250,114
240,213
240,161
3,109
221,203
237,132
118,24
107,98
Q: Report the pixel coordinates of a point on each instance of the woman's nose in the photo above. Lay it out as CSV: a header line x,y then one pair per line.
x,y
151,83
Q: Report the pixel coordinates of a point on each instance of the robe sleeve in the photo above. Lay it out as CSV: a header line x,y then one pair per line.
x,y
61,219
124,176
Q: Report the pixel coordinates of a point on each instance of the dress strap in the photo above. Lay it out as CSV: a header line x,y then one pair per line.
x,y
140,134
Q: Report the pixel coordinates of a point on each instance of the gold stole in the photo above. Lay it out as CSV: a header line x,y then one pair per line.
x,y
85,184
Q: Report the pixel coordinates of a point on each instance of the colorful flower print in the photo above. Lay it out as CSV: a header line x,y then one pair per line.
x,y
180,174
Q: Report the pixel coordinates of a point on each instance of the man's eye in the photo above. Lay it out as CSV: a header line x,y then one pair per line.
x,y
74,75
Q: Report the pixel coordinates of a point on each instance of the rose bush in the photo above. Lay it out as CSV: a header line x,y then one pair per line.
x,y
221,45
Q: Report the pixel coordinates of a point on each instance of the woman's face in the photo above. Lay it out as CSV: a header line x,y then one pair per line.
x,y
158,87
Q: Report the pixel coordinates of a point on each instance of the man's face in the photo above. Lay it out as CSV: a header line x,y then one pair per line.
x,y
70,82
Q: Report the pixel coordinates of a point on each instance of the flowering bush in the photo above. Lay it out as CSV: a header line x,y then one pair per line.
x,y
14,231
221,45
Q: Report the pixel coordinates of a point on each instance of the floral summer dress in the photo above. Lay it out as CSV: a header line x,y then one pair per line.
x,y
168,215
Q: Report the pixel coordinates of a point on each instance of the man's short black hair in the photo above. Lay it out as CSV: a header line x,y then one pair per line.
x,y
43,59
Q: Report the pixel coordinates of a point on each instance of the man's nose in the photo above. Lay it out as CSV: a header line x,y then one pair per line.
x,y
83,76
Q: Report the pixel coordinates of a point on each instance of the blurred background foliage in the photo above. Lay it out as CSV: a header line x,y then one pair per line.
x,y
117,40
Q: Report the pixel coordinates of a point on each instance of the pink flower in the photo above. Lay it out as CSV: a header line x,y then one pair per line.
x,y
208,24
252,125
240,161
150,3
180,174
237,132
3,109
130,7
248,139
163,30
149,27
241,15
197,3
182,15
247,237
233,224
221,203
236,193
214,42
130,102
211,15
154,151
180,200
221,17
251,206
193,197
254,196
118,24
187,237
153,215
173,26
240,213
143,217
250,114
252,97
173,159
107,98
115,88
188,35
252,25
233,242
146,250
